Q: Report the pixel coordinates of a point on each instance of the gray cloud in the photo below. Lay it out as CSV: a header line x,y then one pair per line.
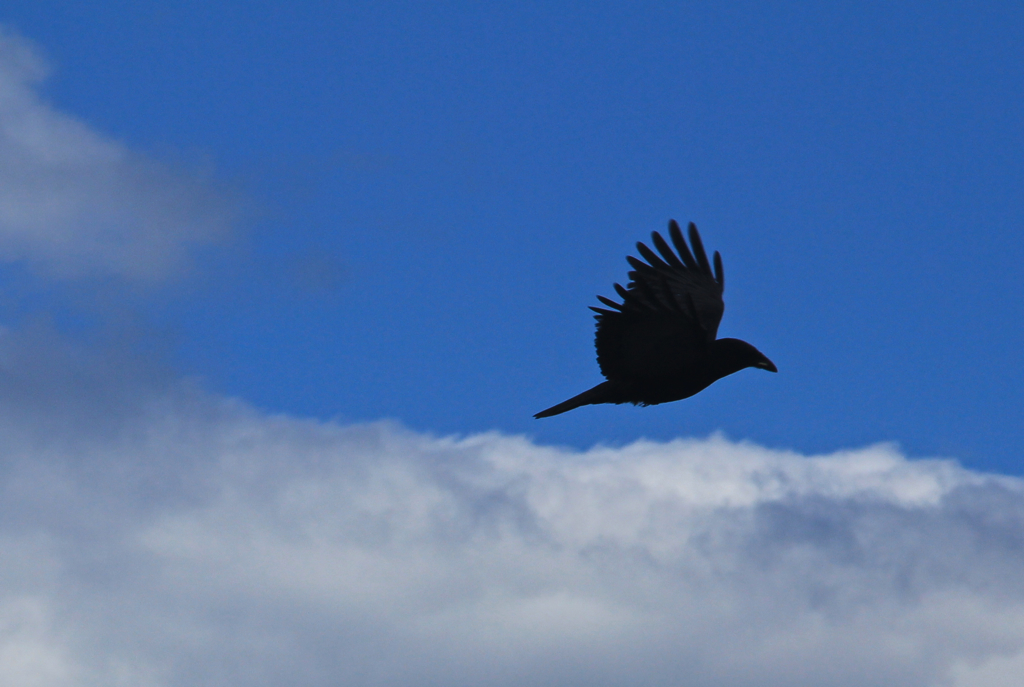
x,y
206,543
73,202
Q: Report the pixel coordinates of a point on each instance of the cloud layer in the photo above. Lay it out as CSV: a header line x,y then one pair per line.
x,y
201,542
74,202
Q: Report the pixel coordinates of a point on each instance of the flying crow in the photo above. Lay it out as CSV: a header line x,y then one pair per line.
x,y
660,344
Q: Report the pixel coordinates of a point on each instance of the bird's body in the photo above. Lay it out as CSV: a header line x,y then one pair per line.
x,y
660,344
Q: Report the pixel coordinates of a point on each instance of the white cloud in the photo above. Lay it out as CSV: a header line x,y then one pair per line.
x,y
74,202
205,543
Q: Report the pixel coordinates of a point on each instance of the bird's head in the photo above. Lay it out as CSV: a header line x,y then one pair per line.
x,y
737,355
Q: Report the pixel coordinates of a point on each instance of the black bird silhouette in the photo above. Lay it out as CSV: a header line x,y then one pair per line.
x,y
660,344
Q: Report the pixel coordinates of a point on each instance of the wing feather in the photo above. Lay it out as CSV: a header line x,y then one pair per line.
x,y
666,252
670,309
684,251
609,302
698,250
651,257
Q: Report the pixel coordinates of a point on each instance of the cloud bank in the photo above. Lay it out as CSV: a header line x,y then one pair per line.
x,y
202,542
74,202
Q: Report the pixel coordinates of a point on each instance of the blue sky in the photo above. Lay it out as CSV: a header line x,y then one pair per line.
x,y
434,193
282,285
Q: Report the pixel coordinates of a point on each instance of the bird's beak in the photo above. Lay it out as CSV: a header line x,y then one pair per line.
x,y
766,365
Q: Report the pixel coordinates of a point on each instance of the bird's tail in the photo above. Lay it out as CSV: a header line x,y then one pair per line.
x,y
599,394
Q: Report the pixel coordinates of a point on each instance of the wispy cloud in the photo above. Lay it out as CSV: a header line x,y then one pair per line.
x,y
74,202
204,542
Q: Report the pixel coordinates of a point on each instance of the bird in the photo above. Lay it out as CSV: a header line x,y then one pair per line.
x,y
660,343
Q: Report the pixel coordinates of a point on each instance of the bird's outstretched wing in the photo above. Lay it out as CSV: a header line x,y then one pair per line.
x,y
669,313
